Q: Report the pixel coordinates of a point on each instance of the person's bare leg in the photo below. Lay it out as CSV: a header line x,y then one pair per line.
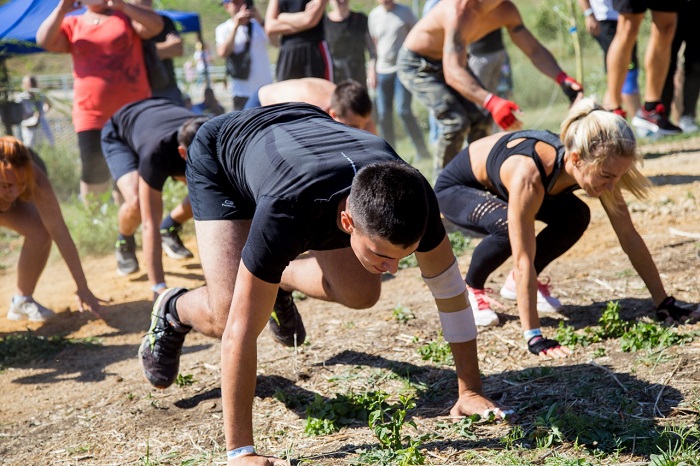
x,y
24,219
129,215
631,103
619,56
334,275
658,54
182,212
220,243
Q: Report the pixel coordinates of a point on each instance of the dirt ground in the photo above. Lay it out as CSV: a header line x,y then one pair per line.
x,y
89,404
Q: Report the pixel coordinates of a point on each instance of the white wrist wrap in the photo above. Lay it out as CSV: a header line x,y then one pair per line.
x,y
242,451
448,284
458,327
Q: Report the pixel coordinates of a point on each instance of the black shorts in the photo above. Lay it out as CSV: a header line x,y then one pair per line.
x,y
304,60
211,194
640,6
94,167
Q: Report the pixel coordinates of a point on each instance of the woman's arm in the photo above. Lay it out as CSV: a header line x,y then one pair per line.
x,y
146,22
49,35
50,213
292,23
526,194
635,248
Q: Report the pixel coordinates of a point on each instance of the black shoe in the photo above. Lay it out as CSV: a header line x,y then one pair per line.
x,y
126,258
159,353
285,322
172,245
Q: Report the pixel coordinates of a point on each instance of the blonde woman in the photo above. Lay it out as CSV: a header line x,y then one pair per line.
x,y
28,206
501,184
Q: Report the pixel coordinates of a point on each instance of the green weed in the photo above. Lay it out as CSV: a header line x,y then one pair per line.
x,y
184,380
324,416
460,243
683,447
437,351
387,422
402,314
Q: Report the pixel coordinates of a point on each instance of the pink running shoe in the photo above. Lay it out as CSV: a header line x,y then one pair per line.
x,y
545,301
481,307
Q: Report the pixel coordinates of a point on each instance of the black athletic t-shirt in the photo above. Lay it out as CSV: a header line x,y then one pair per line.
x,y
149,127
288,166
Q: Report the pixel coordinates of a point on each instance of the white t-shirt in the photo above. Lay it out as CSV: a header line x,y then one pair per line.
x,y
260,71
389,29
603,10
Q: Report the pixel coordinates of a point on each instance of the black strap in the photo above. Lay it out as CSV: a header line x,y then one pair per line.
x,y
539,344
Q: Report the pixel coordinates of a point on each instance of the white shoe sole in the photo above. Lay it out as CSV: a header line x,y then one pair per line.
x,y
645,129
542,304
174,255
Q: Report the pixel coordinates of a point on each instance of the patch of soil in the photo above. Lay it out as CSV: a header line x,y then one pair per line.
x,y
88,404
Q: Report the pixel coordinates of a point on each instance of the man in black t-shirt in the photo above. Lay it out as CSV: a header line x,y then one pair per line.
x,y
271,183
169,45
144,143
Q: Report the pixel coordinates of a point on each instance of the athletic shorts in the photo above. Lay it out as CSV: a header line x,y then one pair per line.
x,y
94,166
640,6
304,60
211,194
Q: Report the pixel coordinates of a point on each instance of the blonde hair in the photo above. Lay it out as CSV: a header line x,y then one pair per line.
x,y
16,156
596,135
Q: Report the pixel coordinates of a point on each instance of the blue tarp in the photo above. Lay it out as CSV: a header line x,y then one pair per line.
x,y
20,19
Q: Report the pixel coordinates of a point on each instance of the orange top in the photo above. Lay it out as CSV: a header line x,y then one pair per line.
x,y
108,68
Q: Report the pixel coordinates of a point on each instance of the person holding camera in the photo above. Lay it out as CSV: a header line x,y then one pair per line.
x,y
243,42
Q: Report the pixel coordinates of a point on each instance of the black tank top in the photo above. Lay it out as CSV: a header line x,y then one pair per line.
x,y
500,153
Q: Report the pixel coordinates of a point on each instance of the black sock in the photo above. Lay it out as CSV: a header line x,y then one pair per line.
x,y
130,240
172,309
651,106
169,223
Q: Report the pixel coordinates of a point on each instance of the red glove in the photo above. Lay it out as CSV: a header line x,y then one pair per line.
x,y
501,110
566,83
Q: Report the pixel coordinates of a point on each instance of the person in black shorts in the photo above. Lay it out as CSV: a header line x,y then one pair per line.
x,y
268,184
501,184
304,52
651,119
145,143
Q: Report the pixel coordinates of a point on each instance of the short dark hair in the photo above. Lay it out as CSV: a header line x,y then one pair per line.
x,y
389,200
188,129
351,96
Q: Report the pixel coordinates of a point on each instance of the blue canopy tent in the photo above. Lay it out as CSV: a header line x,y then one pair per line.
x,y
22,18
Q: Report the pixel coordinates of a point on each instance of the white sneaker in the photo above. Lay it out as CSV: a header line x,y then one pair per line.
x,y
27,308
545,301
687,124
481,307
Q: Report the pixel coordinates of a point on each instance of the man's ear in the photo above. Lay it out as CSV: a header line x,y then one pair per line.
x,y
333,114
346,221
182,150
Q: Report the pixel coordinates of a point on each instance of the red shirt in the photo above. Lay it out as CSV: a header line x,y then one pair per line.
x,y
108,68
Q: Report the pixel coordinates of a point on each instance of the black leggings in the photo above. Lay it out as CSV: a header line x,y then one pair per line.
x,y
481,212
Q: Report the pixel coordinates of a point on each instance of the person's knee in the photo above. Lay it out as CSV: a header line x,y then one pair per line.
x,y
132,208
38,239
665,24
365,299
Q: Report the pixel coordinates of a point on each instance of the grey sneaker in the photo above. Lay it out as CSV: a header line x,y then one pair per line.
x,y
27,308
126,258
172,245
687,124
285,323
159,353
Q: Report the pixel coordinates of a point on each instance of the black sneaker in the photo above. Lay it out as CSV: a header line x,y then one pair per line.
x,y
285,322
654,123
126,257
159,353
172,245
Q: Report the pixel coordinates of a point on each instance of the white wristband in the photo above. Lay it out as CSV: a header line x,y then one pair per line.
x,y
587,12
529,334
158,286
242,451
487,100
